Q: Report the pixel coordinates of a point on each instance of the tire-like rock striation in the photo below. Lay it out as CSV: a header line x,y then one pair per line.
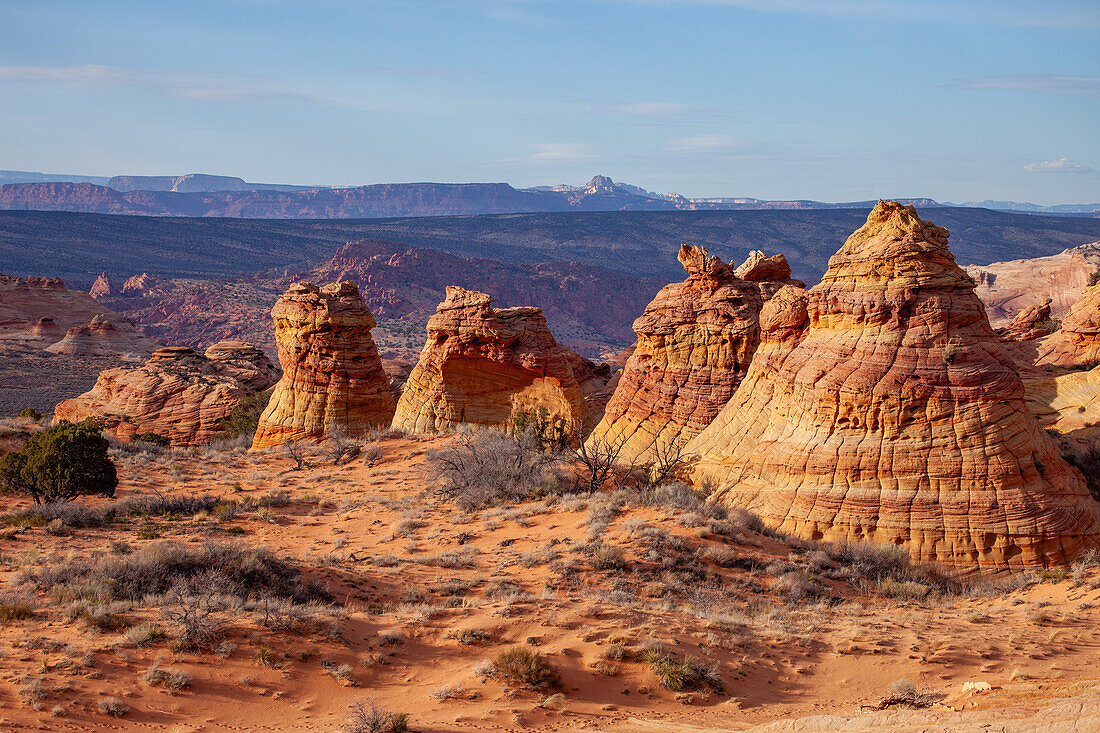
x,y
482,366
333,378
1028,323
894,414
695,341
176,393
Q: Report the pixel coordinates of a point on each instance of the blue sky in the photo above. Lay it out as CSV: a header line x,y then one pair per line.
x,y
828,99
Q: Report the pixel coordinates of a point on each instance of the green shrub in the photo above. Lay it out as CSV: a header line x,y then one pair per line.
x,y
684,674
61,463
152,438
30,412
245,417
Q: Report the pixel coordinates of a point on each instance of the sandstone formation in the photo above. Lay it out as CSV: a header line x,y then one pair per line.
x,y
894,415
41,313
139,284
176,393
332,375
103,287
1077,342
694,345
1008,288
483,365
1028,323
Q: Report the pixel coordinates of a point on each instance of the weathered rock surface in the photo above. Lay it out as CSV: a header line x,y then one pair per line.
x,y
482,365
1077,342
1008,288
176,393
1028,323
695,342
896,416
139,284
103,287
103,337
332,374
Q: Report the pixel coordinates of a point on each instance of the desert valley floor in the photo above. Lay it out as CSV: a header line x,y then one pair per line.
x,y
420,594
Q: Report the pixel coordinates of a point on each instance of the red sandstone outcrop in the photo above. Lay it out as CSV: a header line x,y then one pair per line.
x,y
176,393
1029,323
483,365
1077,342
332,374
894,415
1009,288
695,342
139,284
43,314
103,287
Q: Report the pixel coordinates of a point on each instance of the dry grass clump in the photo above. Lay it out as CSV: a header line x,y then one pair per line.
x,y
15,607
113,706
608,557
370,717
467,637
526,668
904,693
682,675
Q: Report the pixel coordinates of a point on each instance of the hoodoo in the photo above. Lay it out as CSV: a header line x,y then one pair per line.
x,y
695,342
176,393
332,373
483,365
888,411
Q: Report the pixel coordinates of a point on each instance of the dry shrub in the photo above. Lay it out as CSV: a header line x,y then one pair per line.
x,y
370,717
684,674
526,668
489,468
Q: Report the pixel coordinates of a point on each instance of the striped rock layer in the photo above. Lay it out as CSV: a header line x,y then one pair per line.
x,y
695,342
482,365
1077,342
332,374
893,414
176,393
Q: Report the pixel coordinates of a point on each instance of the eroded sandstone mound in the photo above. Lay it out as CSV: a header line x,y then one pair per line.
x,y
483,365
176,393
332,374
695,342
104,337
894,415
1077,342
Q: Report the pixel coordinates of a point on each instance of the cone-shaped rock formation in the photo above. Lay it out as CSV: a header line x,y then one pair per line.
x,y
332,373
695,342
896,416
176,393
483,365
1077,342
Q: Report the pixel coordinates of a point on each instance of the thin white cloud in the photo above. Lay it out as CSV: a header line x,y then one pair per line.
x,y
1087,86
1062,165
553,153
702,144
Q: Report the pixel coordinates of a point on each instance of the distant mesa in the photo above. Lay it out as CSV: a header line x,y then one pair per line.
x,y
694,344
333,378
884,409
484,366
176,393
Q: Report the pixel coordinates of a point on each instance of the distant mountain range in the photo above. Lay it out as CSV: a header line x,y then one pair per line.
x,y
204,195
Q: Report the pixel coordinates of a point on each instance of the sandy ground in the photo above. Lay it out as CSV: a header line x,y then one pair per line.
x,y
407,571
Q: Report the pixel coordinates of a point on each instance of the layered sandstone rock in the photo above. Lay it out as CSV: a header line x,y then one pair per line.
x,y
1029,323
695,342
893,414
332,374
1077,342
140,284
43,314
1008,288
176,393
483,365
103,287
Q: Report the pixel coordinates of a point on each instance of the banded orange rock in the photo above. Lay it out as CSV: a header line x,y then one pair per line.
x,y
894,415
1077,342
333,378
695,341
483,366
176,393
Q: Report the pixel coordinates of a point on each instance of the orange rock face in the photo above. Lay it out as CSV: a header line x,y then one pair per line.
x,y
332,374
886,410
482,365
695,342
1028,323
1009,288
176,393
1077,343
